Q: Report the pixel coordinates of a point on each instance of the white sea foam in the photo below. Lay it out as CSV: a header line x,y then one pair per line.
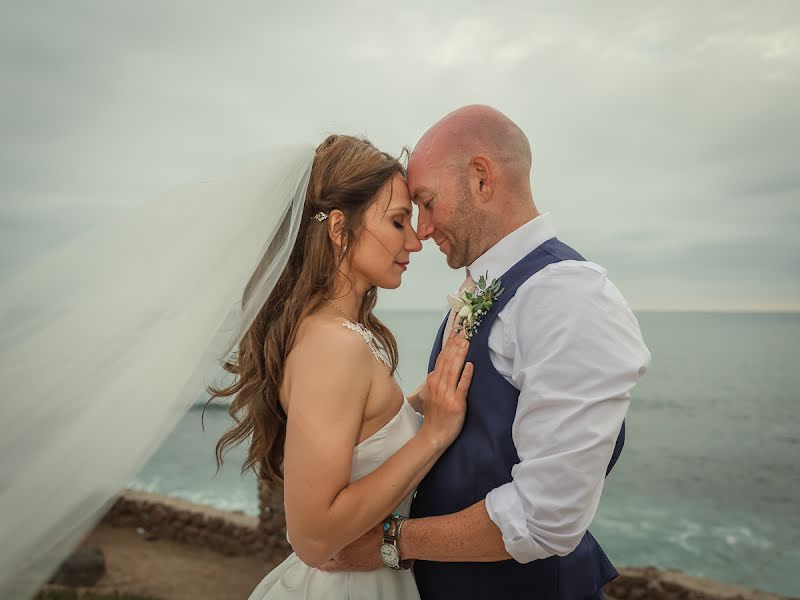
x,y
740,535
234,500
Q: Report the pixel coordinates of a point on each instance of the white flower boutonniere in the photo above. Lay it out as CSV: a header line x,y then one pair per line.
x,y
471,306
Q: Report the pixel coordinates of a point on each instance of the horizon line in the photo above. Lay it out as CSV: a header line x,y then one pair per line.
x,y
738,311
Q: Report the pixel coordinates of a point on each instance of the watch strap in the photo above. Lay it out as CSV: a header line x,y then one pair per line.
x,y
391,535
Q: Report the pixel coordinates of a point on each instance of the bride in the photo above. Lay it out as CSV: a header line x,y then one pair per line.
x,y
109,337
314,380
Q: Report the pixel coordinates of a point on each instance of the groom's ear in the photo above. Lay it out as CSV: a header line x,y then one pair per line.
x,y
482,176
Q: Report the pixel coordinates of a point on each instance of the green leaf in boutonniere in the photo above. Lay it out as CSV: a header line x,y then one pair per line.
x,y
470,307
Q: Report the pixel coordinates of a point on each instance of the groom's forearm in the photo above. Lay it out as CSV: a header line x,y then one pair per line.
x,y
465,536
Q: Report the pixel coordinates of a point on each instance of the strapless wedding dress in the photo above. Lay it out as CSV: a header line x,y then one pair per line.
x,y
293,579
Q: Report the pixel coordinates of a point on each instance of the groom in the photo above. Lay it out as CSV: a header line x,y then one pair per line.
x,y
505,511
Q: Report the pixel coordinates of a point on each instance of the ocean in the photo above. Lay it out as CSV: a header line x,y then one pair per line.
x,y
708,483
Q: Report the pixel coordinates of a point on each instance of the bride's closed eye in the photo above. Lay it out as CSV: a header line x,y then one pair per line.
x,y
399,224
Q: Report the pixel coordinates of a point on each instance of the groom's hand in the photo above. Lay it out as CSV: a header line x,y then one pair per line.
x,y
418,398
362,555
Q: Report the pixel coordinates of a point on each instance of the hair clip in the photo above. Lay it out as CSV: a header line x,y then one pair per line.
x,y
320,216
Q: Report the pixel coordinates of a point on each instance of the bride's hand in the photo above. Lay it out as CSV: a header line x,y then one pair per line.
x,y
446,393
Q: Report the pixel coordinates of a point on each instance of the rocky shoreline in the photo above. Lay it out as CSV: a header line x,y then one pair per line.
x,y
651,583
177,525
166,518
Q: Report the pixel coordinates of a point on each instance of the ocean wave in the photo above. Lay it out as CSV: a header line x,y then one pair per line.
x,y
244,501
684,535
740,535
215,406
690,536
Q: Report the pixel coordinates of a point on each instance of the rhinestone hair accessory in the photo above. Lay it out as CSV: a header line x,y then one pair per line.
x,y
320,216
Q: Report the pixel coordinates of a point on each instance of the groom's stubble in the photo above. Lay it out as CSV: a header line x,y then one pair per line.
x,y
469,228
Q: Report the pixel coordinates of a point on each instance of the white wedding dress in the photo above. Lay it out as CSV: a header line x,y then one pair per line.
x,y
293,579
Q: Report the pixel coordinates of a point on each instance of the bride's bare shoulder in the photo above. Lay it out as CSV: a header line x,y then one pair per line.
x,y
327,363
322,337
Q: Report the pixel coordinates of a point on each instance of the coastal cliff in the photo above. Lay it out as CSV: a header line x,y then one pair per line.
x,y
172,549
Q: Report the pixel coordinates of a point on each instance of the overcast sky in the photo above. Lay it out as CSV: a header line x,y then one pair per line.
x,y
665,136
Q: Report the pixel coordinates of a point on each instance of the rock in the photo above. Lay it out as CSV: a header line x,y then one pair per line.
x,y
192,533
158,514
83,568
127,521
650,583
181,516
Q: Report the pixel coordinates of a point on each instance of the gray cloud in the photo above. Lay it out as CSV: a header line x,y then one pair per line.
x,y
665,137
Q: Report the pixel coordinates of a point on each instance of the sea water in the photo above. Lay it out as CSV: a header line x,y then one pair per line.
x,y
708,483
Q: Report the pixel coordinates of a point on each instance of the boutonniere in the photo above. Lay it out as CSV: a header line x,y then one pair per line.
x,y
470,306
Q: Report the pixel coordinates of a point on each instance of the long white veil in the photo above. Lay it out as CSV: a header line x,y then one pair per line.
x,y
107,340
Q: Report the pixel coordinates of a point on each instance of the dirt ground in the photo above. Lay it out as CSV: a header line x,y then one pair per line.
x,y
171,571
168,570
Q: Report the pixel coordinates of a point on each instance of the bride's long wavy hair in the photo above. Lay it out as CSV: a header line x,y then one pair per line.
x,y
347,174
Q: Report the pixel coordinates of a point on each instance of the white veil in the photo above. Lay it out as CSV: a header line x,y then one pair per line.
x,y
107,340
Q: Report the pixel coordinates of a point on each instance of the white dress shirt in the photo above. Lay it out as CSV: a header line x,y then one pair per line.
x,y
570,344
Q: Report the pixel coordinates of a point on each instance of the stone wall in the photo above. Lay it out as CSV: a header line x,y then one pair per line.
x,y
236,534
650,583
229,533
272,520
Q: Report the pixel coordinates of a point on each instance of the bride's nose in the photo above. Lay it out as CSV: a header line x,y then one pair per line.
x,y
412,241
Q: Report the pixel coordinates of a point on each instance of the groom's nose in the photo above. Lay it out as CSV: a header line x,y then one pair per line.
x,y
424,226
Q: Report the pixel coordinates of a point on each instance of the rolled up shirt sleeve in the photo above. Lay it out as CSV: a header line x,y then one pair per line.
x,y
570,343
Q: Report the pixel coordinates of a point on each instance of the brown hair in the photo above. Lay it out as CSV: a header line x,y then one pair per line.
x,y
347,174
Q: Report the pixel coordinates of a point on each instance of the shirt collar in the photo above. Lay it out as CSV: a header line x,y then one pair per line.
x,y
509,250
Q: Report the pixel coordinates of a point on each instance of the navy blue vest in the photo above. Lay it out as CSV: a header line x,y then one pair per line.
x,y
480,460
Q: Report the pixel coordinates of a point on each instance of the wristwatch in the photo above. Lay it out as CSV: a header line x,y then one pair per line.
x,y
390,552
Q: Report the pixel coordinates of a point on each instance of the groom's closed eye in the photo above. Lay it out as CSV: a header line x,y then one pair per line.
x,y
422,198
425,203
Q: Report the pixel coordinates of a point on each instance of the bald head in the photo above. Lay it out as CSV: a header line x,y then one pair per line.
x,y
470,176
472,130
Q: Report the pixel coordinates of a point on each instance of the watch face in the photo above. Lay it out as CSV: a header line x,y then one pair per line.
x,y
389,555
